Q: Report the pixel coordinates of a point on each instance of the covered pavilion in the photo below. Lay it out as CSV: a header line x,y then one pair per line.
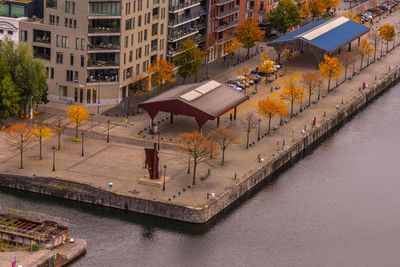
x,y
321,37
203,101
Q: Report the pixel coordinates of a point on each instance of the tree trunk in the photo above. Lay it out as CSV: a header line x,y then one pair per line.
x,y
362,57
345,72
247,142
374,51
319,91
76,131
248,52
184,79
354,67
329,84
194,170
22,162
269,124
309,97
40,147
59,142
238,56
207,67
387,47
223,156
291,109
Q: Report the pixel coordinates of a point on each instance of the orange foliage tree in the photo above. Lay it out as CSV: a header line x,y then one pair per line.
x,y
77,115
249,33
330,68
42,132
291,92
59,127
224,137
387,33
310,80
161,72
365,49
196,146
19,136
269,107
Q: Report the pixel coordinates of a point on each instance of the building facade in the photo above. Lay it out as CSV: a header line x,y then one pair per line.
x,y
95,51
257,9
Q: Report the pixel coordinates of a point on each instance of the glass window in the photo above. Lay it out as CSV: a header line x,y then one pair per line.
x,y
65,42
17,11
82,61
71,59
51,73
77,43
83,44
105,8
88,95
67,6
128,24
154,29
59,58
154,45
94,95
24,36
51,3
63,92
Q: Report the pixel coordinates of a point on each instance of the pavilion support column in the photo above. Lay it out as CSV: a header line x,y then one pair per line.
x,y
359,40
234,113
218,122
171,119
349,46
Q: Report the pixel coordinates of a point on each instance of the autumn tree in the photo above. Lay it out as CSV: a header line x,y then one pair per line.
x,y
268,108
330,68
77,115
266,65
316,8
346,58
196,146
161,72
249,33
284,16
374,36
249,121
310,80
189,59
387,34
330,3
304,9
352,16
224,137
233,45
142,86
42,132
9,97
365,49
291,92
19,136
59,127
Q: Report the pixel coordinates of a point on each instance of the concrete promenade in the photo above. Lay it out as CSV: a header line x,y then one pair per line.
x,y
121,161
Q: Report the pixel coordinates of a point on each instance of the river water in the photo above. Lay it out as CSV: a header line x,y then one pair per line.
x,y
339,206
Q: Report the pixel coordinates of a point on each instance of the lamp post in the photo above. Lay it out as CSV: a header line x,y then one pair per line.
x,y
108,131
159,137
259,128
83,135
54,158
165,171
98,101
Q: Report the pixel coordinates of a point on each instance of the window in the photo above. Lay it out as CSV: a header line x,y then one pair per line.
x,y
52,19
1,31
162,29
129,72
147,4
145,35
128,24
76,95
65,42
155,13
126,42
261,5
82,61
144,66
59,57
140,5
154,45
148,17
140,52
66,22
76,76
140,21
77,43
130,56
74,23
260,18
71,59
70,75
146,50
137,69
57,20
24,36
58,40
163,13
155,2
83,44
249,4
67,6
132,39
51,4
94,95
70,23
154,29
248,14
81,95
153,59
63,92
134,6
124,58
133,23
73,7
88,95
105,8
51,73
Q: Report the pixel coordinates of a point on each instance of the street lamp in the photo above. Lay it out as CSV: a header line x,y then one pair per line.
x,y
159,137
98,101
165,171
259,127
54,158
108,131
83,135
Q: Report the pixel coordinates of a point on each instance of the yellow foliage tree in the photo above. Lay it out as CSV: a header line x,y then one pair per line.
x,y
330,3
291,92
304,9
19,136
387,33
310,80
268,108
42,132
365,49
330,68
77,115
245,73
374,36
352,16
315,7
233,45
249,33
161,71
59,127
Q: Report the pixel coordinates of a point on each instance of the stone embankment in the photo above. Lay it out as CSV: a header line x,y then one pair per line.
x,y
91,194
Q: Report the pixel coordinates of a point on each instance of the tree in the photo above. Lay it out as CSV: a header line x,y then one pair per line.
x,y
189,60
268,108
249,33
249,121
233,45
266,65
330,68
365,49
161,72
59,127
284,16
310,80
387,34
352,16
346,58
304,9
374,36
77,116
316,8
245,73
291,92
224,137
9,97
142,86
196,146
19,136
330,3
42,132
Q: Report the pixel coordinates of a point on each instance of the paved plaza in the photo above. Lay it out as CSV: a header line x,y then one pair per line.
x,y
121,161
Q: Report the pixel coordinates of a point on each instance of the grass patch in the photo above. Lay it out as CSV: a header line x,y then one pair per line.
x,y
76,140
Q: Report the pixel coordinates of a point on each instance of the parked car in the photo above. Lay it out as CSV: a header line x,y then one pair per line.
x,y
257,78
235,83
235,87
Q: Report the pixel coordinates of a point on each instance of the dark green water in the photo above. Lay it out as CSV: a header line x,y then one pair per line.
x,y
339,206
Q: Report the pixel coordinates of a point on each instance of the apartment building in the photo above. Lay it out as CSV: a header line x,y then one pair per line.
x,y
96,51
222,21
257,9
12,12
186,19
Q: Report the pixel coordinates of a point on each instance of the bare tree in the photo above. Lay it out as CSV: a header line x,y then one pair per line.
x,y
59,127
224,137
19,136
249,121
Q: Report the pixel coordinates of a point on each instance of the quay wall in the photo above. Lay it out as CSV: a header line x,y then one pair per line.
x,y
264,173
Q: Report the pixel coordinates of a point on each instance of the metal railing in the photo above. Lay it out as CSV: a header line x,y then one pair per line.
x,y
185,18
227,26
104,30
181,34
183,5
223,2
228,12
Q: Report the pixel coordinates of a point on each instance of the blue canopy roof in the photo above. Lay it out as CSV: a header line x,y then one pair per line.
x,y
329,39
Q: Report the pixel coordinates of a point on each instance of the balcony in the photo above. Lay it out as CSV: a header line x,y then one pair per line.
x,y
103,61
104,10
185,18
182,6
227,26
179,35
103,44
43,37
227,13
223,2
41,52
103,76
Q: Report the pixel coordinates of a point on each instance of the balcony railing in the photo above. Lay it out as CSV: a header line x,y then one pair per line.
x,y
103,63
176,36
223,2
104,30
103,78
228,12
227,26
107,46
180,6
42,56
185,18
